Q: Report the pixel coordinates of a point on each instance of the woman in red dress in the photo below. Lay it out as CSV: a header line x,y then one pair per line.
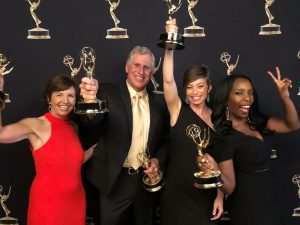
x,y
56,195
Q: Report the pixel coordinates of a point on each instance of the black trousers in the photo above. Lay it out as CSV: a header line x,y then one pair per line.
x,y
128,203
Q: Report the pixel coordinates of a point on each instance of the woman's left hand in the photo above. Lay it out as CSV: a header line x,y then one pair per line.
x,y
282,84
218,208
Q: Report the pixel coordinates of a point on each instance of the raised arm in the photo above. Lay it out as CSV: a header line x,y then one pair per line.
x,y
18,131
170,88
290,121
23,129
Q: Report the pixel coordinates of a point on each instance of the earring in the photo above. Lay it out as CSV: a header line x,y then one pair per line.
x,y
207,98
227,113
49,107
248,121
186,100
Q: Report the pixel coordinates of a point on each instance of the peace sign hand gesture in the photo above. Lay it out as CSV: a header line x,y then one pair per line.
x,y
282,84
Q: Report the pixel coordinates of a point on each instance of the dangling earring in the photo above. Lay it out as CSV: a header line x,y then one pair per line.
x,y
227,113
248,121
186,100
250,124
49,107
207,98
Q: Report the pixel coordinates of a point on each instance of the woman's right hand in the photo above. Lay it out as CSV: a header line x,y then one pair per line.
x,y
88,88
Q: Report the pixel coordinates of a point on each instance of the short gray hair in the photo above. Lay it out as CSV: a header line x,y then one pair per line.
x,y
141,50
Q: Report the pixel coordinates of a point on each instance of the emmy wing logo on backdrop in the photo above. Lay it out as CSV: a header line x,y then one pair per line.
x,y
87,57
155,84
37,32
4,64
193,30
208,178
7,220
225,58
171,40
296,180
269,28
115,32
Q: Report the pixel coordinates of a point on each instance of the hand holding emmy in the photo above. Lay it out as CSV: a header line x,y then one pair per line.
x,y
152,180
206,177
89,105
4,70
171,39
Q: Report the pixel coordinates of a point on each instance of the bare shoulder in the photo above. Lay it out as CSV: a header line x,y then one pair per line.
x,y
36,123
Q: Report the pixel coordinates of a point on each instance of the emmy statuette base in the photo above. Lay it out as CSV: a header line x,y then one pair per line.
x,y
8,221
92,107
296,212
158,92
117,33
207,182
38,33
153,185
270,29
194,31
172,41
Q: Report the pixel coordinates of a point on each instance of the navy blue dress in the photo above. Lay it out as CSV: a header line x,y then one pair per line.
x,y
251,203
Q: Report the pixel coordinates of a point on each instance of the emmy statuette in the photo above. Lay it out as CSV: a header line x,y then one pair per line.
x,y
296,180
7,220
115,32
225,58
193,31
87,62
4,97
37,32
210,178
270,28
150,183
171,40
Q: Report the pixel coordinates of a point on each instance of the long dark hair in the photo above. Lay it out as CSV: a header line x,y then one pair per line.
x,y
59,82
257,120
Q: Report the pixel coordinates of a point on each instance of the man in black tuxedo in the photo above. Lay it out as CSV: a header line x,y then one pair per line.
x,y
111,168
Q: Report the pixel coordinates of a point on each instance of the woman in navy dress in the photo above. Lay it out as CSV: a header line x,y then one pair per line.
x,y
244,152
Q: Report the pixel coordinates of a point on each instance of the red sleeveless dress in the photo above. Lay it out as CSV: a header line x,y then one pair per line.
x,y
56,195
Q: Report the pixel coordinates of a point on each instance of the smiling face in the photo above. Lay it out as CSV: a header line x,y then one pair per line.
x,y
139,69
240,99
197,91
62,102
